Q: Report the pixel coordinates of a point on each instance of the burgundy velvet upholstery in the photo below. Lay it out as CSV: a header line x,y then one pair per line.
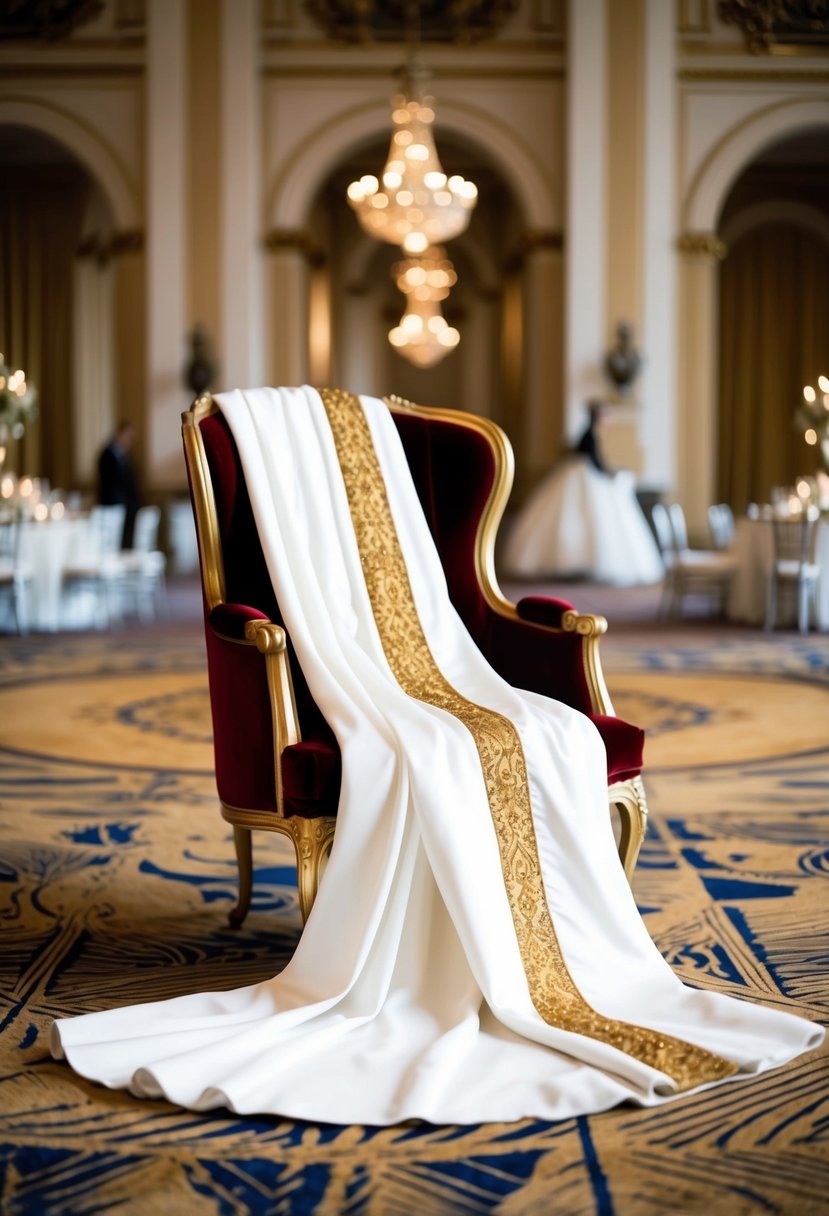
x,y
453,469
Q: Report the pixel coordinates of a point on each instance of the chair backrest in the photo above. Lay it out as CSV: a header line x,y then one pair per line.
x,y
678,526
107,528
721,525
462,470
662,527
9,545
145,530
794,539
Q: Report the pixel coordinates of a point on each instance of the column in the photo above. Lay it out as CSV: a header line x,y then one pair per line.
x,y
625,173
94,390
132,399
242,336
585,239
288,311
696,423
659,305
543,409
478,351
166,240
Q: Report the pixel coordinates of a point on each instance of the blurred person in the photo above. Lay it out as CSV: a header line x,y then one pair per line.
x,y
117,482
584,520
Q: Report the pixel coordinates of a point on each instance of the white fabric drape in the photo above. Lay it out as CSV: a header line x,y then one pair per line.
x,y
407,996
580,521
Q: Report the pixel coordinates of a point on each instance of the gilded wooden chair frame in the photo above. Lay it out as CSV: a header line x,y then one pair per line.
x,y
312,837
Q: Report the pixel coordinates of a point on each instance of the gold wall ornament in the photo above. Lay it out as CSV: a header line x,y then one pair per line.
x,y
102,247
47,21
414,204
278,239
702,245
765,23
368,21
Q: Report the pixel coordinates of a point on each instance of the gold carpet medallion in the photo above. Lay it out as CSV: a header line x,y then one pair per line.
x,y
552,989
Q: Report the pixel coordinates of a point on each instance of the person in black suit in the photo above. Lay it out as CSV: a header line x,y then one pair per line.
x,y
117,482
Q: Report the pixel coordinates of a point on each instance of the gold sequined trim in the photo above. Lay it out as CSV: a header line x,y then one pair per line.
x,y
552,989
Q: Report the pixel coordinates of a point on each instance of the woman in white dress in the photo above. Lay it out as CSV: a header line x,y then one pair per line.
x,y
584,520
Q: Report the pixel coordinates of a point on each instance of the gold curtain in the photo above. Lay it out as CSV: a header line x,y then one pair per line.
x,y
774,338
41,209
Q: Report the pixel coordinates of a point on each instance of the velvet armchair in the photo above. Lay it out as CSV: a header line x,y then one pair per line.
x,y
277,760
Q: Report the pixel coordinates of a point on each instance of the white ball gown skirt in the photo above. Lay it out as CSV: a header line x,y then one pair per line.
x,y
581,522
474,952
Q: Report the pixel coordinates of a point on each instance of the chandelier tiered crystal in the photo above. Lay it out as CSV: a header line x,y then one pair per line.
x,y
415,204
423,335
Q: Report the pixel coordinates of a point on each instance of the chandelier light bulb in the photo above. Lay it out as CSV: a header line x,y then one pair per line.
x,y
423,336
428,276
413,204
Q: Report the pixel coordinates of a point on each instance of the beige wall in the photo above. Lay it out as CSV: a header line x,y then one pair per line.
x,y
214,127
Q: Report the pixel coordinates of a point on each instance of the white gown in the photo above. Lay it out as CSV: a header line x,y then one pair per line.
x,y
580,521
474,952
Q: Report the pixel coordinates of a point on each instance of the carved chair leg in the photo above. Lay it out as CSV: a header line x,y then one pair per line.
x,y
242,838
312,841
630,803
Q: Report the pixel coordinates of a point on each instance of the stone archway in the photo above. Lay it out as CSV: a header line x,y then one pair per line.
x,y
291,195
534,418
701,249
94,153
87,371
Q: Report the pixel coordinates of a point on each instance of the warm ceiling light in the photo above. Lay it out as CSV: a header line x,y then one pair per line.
x,y
414,204
427,277
423,335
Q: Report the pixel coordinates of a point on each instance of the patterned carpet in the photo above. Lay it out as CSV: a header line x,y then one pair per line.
x,y
117,874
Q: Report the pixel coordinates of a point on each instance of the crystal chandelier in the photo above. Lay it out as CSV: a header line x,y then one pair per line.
x,y
415,205
427,277
423,335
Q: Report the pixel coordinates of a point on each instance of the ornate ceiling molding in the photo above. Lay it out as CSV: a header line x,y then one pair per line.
x,y
704,246
45,19
766,23
369,21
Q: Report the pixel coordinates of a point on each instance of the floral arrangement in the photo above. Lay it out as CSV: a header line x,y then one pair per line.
x,y
18,402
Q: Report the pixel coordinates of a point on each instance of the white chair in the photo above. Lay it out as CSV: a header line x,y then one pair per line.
x,y
721,524
688,571
14,575
793,566
97,572
142,569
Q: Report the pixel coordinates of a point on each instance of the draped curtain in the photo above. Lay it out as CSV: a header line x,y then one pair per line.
x,y
774,338
41,208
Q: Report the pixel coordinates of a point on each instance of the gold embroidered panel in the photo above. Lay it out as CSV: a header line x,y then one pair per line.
x,y
552,989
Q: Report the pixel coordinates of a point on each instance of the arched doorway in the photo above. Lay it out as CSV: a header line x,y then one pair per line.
x,y
773,320
72,294
365,303
45,195
322,270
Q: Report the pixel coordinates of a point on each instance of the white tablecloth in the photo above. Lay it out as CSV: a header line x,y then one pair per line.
x,y
46,549
753,548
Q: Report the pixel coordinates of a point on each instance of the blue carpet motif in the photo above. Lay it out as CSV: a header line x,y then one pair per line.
x,y
116,877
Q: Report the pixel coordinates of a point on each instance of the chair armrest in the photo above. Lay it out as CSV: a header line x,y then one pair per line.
x,y
545,646
543,610
229,621
252,703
